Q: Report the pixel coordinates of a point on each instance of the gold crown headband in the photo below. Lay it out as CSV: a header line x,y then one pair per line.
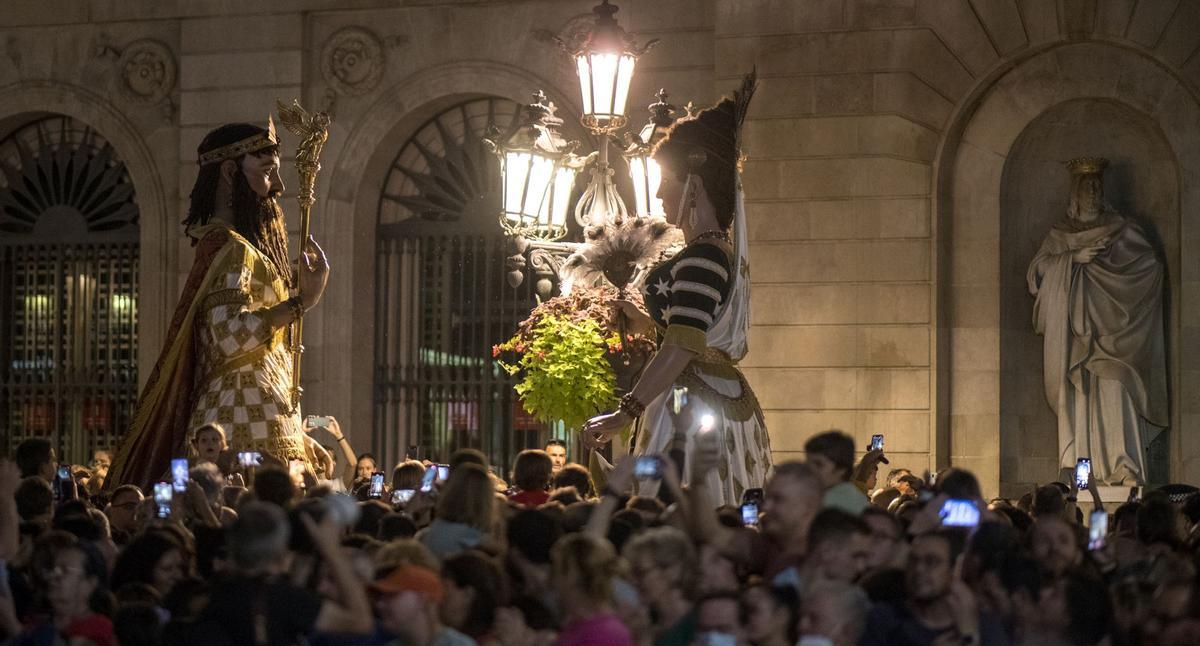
x,y
1087,165
248,145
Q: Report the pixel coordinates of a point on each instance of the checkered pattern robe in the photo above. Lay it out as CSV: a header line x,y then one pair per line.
x,y
244,380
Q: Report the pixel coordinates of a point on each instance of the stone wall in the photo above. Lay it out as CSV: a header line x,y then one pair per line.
x,y
882,148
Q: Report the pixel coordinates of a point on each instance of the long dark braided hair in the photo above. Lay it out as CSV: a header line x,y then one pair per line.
x,y
258,219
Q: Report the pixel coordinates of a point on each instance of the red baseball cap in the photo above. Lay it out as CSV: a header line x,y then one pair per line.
x,y
410,578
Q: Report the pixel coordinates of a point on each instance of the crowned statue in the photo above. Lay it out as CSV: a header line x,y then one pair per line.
x,y
227,359
1099,288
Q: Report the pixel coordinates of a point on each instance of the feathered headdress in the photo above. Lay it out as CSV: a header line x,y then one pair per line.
x,y
741,105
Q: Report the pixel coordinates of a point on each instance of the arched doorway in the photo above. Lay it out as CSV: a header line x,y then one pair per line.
x,y
68,287
441,296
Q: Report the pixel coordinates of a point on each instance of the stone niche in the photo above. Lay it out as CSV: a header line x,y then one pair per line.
x,y
1141,182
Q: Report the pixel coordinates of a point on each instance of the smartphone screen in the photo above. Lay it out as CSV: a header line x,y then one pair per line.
x,y
443,472
959,513
427,480
648,467
163,492
750,514
64,472
1098,530
179,474
401,496
376,485
678,399
1083,469
877,442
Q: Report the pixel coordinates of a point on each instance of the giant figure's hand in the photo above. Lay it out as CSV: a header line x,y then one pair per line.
x,y
314,273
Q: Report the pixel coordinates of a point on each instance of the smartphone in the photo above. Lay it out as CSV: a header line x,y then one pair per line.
x,y
316,421
1098,530
679,398
750,514
443,472
163,492
376,485
877,442
754,495
249,458
427,480
179,474
957,512
64,472
1083,470
401,496
648,467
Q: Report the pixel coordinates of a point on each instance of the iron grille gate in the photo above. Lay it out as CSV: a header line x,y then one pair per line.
x,y
69,344
442,300
68,288
437,386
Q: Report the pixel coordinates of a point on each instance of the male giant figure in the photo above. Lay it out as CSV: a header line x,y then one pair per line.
x,y
227,359
1099,285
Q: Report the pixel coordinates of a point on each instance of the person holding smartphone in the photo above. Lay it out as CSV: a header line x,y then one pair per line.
x,y
831,455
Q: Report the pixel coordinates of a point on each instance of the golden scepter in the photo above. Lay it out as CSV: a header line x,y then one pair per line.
x,y
313,130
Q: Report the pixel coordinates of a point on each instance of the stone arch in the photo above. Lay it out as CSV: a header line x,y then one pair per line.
x,y
157,300
355,181
968,183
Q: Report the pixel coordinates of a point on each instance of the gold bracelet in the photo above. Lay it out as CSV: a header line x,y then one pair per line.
x,y
631,406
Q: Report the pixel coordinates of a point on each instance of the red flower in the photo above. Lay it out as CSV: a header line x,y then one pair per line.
x,y
495,351
541,354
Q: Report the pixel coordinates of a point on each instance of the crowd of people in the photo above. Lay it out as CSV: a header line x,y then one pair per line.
x,y
834,550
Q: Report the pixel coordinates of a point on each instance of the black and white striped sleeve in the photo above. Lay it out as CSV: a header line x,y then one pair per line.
x,y
700,283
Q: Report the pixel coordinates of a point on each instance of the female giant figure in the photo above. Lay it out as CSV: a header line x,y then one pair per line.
x,y
699,301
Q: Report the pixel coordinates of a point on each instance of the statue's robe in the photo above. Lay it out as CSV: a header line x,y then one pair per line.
x,y
222,363
1104,362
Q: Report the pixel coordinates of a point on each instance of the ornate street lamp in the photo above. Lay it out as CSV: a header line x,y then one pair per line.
x,y
605,58
537,170
643,169
538,167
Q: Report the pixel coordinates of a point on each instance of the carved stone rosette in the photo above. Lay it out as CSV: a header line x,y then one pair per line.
x,y
146,71
352,61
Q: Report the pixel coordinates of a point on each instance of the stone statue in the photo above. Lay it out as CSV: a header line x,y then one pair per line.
x,y
1099,284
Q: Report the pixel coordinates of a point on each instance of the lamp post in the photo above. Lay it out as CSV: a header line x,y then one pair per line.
x,y
538,167
643,169
605,58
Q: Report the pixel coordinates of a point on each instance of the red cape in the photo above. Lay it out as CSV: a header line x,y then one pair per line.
x,y
164,409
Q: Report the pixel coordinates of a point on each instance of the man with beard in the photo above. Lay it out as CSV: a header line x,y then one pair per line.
x,y
227,358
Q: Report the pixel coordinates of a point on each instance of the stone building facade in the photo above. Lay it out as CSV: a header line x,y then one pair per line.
x,y
903,163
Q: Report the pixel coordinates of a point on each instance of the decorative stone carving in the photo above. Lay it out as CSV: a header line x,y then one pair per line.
x,y
352,61
576,27
147,71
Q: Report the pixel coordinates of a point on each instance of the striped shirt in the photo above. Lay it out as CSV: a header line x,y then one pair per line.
x,y
688,289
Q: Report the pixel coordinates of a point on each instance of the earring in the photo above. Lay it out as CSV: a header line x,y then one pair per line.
x,y
692,217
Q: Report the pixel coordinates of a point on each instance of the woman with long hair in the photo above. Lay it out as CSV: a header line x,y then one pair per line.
x,y
699,302
466,513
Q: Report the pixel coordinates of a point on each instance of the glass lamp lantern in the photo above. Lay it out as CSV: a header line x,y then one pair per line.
x,y
538,168
605,58
643,169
